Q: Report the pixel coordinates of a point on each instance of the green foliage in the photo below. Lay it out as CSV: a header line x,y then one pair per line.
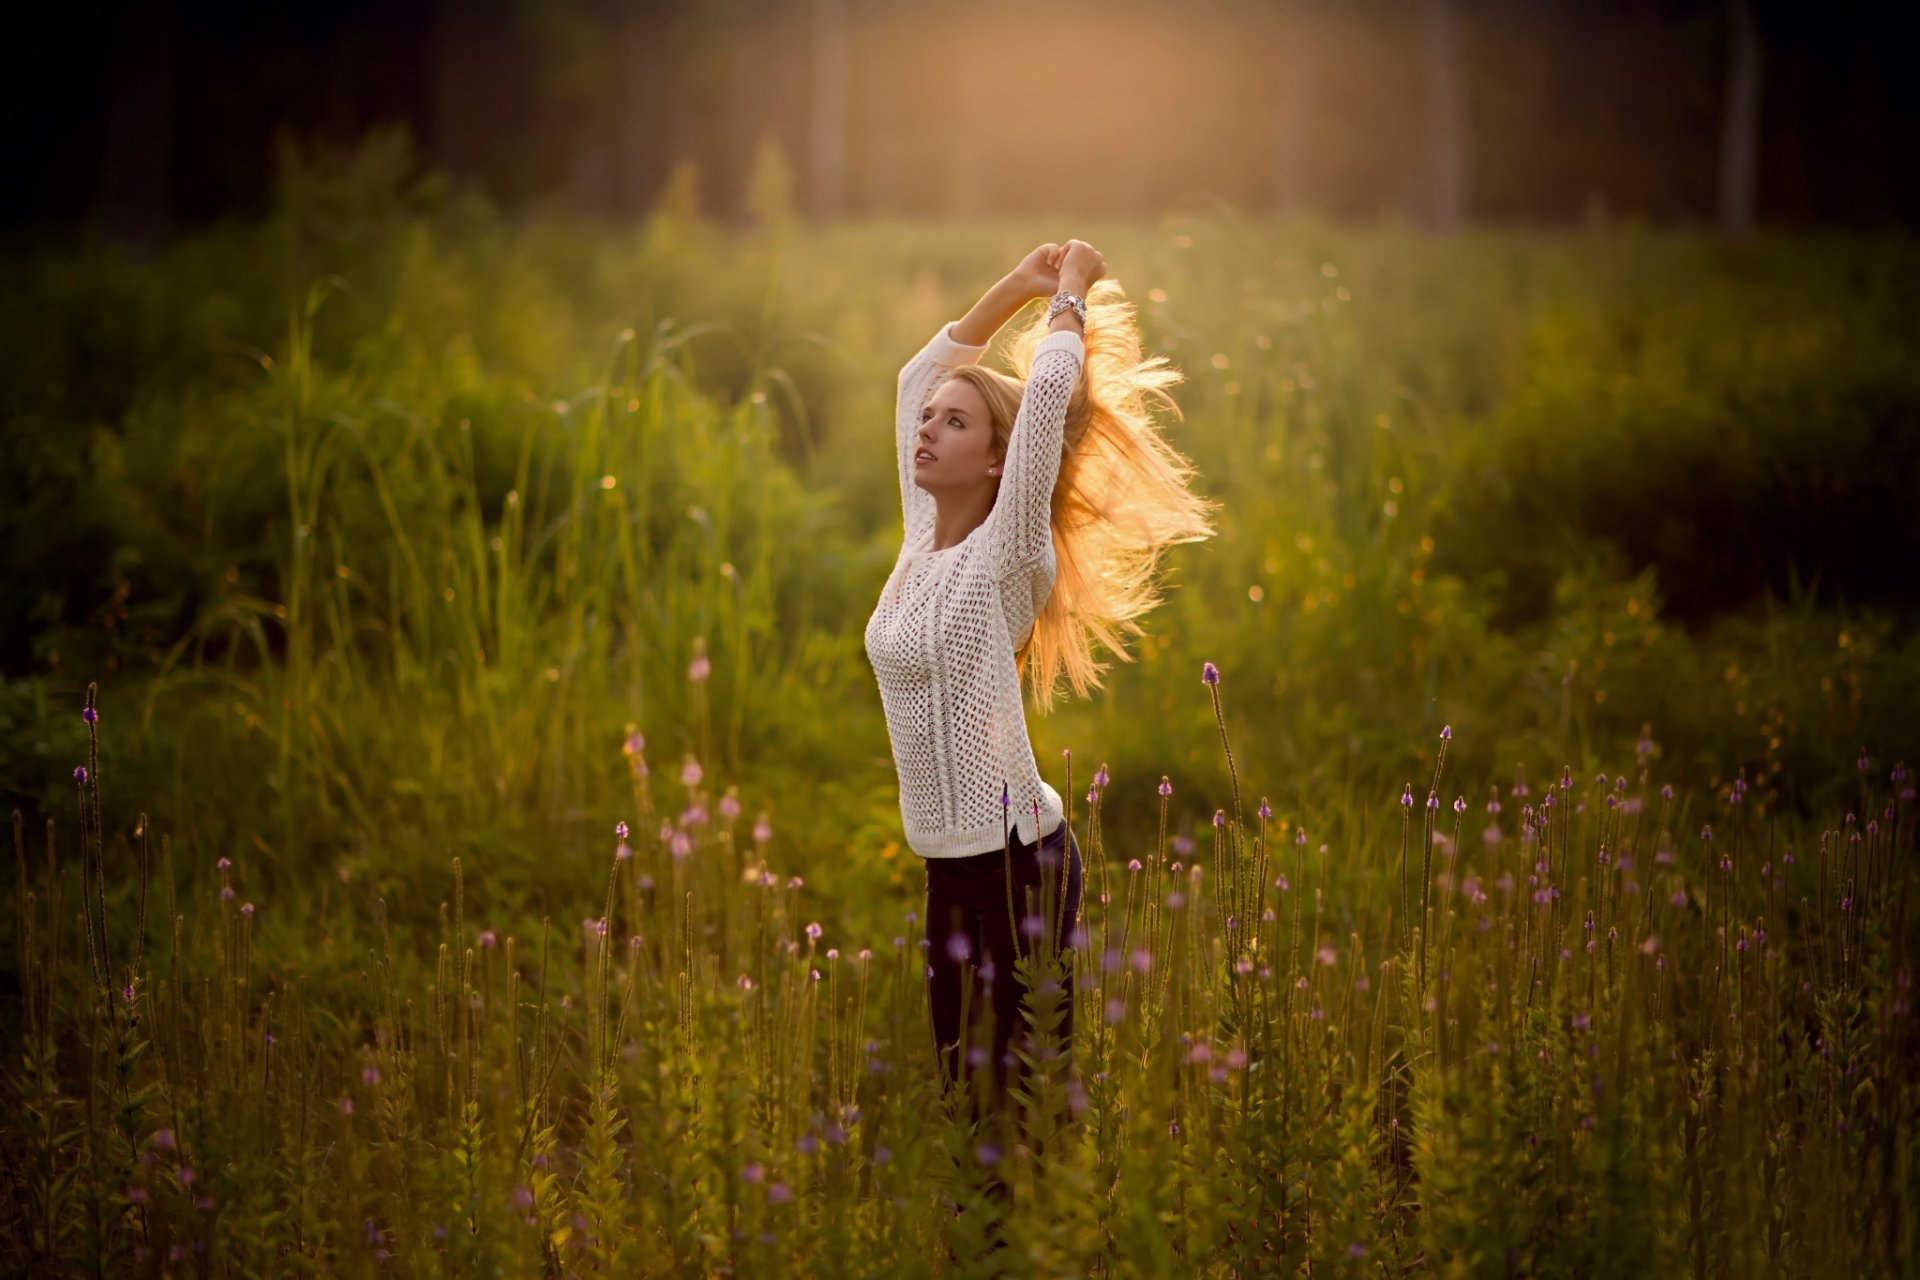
x,y
436,529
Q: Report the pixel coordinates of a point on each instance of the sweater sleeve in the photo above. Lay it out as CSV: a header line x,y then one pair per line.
x,y
1021,522
916,384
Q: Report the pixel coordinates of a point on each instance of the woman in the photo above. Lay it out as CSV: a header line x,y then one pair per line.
x,y
1034,510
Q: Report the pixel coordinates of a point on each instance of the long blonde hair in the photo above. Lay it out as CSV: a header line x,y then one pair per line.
x,y
1121,496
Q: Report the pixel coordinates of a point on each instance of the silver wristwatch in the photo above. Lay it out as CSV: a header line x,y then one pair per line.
x,y
1063,300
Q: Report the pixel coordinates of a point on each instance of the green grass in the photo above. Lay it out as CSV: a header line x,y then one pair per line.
x,y
376,529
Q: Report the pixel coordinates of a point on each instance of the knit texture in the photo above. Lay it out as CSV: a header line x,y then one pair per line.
x,y
943,637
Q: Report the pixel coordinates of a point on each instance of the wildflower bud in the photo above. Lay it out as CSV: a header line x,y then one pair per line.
x,y
1166,786
620,831
1265,810
1446,732
80,774
1209,674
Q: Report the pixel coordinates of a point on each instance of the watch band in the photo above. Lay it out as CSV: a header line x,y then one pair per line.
x,y
1063,300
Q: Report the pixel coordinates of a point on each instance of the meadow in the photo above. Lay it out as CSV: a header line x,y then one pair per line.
x,y
455,829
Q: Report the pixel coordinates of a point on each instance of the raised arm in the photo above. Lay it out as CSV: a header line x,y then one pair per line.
x,y
917,379
1020,526
1021,523
961,342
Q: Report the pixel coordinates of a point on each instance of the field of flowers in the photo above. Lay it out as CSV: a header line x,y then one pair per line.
x,y
455,832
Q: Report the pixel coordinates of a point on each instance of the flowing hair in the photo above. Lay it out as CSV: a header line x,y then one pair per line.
x,y
1121,496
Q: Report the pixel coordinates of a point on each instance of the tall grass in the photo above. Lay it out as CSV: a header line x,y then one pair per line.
x,y
430,546
345,497
1571,1034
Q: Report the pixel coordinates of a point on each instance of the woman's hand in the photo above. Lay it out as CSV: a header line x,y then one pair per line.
x,y
1080,265
1038,275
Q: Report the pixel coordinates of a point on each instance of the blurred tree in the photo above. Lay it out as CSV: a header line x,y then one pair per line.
x,y
827,110
1449,156
1740,132
137,155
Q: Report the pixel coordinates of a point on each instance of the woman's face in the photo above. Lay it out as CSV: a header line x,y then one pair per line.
x,y
956,431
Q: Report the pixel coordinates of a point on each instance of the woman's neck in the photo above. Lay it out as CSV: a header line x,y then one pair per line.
x,y
952,523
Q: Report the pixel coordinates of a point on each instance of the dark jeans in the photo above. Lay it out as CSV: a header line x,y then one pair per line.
x,y
971,940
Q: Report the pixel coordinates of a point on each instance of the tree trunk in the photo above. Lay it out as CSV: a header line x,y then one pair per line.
x,y
827,121
1449,156
1293,65
1740,125
137,159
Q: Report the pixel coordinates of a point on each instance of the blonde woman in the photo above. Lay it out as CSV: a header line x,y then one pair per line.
x,y
1035,508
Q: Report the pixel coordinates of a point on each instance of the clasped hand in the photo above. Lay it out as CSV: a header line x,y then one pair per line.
x,y
1073,266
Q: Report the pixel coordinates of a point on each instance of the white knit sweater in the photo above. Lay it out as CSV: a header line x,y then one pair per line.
x,y
943,637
